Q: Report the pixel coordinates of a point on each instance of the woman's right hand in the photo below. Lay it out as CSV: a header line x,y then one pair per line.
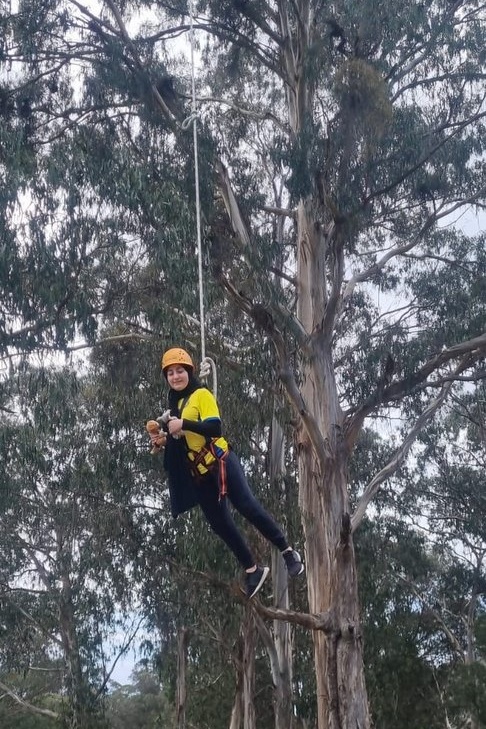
x,y
175,426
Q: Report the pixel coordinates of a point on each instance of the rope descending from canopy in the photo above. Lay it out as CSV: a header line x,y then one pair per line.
x,y
207,364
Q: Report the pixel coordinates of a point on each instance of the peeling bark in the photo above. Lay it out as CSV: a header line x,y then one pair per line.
x,y
323,497
280,645
243,711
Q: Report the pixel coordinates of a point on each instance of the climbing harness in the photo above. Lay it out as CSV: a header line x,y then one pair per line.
x,y
207,364
197,459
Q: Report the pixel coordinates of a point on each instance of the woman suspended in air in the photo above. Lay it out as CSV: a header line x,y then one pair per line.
x,y
203,470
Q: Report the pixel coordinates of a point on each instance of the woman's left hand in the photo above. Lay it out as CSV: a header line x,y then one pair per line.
x,y
158,440
175,425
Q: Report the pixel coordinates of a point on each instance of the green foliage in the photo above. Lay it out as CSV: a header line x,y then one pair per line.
x,y
466,692
12,718
41,687
396,628
378,134
140,705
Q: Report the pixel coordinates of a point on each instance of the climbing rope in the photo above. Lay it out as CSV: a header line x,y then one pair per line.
x,y
207,364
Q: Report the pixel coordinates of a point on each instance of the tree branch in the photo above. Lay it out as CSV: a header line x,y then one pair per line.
x,y
26,705
471,351
34,622
377,267
321,621
285,212
232,207
265,321
429,46
455,645
425,158
166,113
259,116
258,19
129,336
121,652
398,457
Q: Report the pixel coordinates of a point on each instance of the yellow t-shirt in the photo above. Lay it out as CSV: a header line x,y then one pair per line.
x,y
201,405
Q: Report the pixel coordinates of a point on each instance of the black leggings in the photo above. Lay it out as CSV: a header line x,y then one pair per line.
x,y
241,496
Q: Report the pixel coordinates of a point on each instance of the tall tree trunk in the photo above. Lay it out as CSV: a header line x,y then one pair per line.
x,y
243,712
471,653
237,711
76,688
323,497
281,656
331,570
181,693
280,650
249,646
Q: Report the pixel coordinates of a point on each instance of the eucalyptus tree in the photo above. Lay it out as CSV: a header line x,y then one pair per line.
x,y
402,669
451,466
360,130
138,705
32,691
69,541
421,567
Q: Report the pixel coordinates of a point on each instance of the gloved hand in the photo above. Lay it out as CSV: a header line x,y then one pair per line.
x,y
164,418
205,369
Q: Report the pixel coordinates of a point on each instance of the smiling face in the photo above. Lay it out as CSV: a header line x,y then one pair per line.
x,y
177,377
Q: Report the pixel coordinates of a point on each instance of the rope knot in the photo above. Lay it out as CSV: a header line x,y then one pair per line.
x,y
207,367
190,120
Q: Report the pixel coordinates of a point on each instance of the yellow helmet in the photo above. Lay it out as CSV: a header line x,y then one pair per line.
x,y
176,356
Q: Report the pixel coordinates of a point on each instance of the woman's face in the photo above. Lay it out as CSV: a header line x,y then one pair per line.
x,y
177,377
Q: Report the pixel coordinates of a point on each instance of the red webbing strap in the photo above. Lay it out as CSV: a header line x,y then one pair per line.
x,y
223,480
